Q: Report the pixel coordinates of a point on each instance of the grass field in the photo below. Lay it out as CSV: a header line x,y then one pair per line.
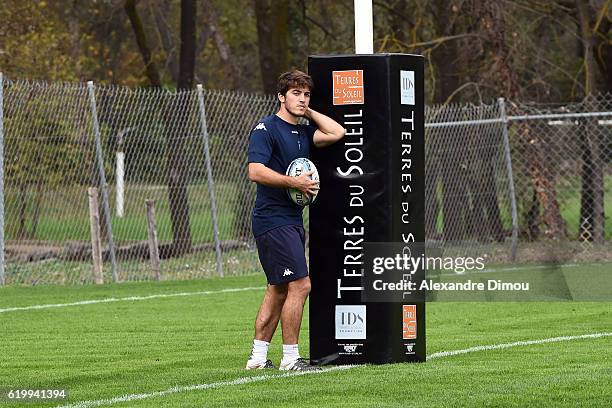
x,y
197,265
201,341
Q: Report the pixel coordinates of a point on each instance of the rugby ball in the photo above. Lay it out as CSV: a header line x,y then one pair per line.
x,y
297,167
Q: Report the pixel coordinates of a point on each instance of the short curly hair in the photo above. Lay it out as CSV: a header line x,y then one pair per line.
x,y
293,79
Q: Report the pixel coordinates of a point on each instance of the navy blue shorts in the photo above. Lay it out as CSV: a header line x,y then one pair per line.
x,y
282,254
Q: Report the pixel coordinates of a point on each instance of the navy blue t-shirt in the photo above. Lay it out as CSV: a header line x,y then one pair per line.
x,y
275,144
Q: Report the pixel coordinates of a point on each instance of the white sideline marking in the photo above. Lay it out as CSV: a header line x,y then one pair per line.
x,y
248,380
174,390
126,299
515,344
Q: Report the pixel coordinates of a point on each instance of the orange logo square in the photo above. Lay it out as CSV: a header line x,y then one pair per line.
x,y
348,87
409,322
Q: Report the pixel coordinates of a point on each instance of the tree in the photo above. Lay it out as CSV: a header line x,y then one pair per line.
x,y
447,166
493,25
143,43
594,26
160,10
223,48
177,178
175,148
272,37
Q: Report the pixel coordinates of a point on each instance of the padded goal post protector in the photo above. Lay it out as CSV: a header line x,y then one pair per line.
x,y
372,191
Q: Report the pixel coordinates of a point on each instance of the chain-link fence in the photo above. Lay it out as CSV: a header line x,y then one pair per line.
x,y
512,181
468,199
563,172
153,145
521,182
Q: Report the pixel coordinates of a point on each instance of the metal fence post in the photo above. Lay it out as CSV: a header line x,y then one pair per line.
x,y
211,185
1,179
103,185
502,110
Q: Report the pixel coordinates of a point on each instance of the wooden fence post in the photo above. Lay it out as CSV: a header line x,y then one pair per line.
x,y
153,244
96,242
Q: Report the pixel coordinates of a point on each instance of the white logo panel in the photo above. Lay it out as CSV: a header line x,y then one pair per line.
x,y
407,87
350,322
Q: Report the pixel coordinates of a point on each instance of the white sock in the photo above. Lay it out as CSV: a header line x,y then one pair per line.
x,y
290,353
260,351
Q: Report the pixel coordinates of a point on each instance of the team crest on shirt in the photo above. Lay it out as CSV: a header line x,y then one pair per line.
x,y
261,126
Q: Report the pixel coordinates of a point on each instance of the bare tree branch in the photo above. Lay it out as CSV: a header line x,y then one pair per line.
x,y
165,37
223,48
141,40
321,27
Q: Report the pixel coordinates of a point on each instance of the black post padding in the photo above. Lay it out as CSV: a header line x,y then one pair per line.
x,y
372,190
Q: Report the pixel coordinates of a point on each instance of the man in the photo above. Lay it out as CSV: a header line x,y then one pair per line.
x,y
278,228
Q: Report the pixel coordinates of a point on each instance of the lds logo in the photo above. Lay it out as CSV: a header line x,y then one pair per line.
x,y
350,318
351,348
407,95
261,126
409,347
350,322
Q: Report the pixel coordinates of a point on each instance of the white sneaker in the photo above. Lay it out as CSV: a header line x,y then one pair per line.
x,y
299,365
258,365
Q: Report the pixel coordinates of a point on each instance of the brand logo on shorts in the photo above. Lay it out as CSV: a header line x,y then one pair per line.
x,y
287,272
351,348
261,126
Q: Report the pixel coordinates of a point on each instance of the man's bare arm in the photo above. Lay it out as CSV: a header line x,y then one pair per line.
x,y
261,174
329,131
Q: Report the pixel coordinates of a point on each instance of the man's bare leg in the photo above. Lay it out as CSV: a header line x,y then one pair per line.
x,y
291,320
265,325
270,312
293,309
